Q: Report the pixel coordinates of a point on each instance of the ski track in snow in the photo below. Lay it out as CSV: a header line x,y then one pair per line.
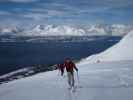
x,y
103,81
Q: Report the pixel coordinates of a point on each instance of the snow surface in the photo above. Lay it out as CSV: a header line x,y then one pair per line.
x,y
119,52
102,81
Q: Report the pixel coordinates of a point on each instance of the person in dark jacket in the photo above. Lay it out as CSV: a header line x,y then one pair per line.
x,y
70,66
61,68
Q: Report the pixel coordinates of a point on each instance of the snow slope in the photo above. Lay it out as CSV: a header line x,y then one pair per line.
x,y
103,81
121,51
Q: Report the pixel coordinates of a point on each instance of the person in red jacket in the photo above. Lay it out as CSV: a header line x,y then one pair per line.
x,y
70,66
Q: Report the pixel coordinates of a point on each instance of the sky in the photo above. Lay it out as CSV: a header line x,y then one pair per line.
x,y
66,12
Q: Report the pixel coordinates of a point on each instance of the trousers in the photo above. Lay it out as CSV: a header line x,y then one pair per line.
x,y
71,80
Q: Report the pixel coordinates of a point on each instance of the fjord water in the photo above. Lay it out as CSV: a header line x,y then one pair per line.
x,y
16,55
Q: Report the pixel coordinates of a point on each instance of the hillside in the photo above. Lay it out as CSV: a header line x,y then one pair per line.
x,y
119,52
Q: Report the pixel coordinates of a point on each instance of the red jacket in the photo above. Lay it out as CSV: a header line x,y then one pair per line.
x,y
70,66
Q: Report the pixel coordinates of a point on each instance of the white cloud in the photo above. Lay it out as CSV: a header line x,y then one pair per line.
x,y
41,13
74,11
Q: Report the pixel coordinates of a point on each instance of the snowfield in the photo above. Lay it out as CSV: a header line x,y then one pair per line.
x,y
111,78
103,81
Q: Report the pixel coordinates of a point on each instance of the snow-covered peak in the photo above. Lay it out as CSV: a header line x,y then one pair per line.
x,y
69,30
118,29
66,30
53,30
7,30
39,28
96,29
119,52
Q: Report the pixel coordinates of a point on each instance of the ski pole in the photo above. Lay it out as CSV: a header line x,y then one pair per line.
x,y
78,77
58,72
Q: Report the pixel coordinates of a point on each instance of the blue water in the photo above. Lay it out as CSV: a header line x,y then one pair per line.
x,y
15,55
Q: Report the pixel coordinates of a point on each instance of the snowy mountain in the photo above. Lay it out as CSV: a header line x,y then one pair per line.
x,y
6,30
117,29
51,30
119,52
96,30
69,30
65,30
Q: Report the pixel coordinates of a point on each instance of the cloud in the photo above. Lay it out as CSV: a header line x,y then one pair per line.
x,y
4,13
34,16
39,16
19,1
68,10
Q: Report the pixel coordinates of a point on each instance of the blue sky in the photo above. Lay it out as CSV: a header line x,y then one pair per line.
x,y
66,11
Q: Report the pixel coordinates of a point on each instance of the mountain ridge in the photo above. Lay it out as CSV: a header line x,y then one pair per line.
x,y
68,30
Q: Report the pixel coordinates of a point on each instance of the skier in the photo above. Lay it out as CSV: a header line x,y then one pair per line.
x,y
61,68
70,66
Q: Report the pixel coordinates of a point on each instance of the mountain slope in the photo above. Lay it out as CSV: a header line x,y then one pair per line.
x,y
120,51
93,78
